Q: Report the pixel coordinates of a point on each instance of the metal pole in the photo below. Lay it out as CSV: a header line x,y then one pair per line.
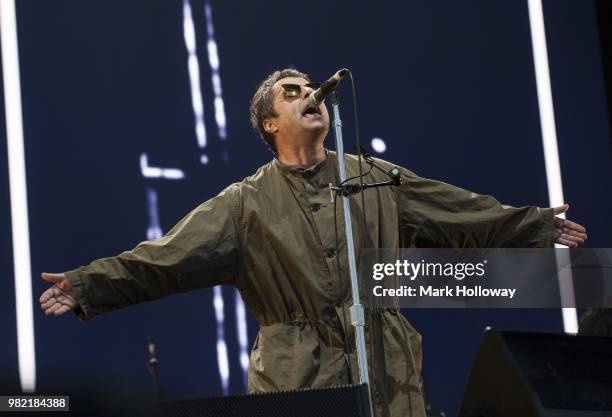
x,y
357,313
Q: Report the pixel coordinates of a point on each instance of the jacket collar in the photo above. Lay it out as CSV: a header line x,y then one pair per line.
x,y
301,171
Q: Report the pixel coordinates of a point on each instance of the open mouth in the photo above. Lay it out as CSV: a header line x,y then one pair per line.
x,y
310,111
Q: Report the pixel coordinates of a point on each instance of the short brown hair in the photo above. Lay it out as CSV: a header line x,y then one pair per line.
x,y
262,104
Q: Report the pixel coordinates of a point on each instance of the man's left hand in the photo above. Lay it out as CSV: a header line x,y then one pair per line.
x,y
567,232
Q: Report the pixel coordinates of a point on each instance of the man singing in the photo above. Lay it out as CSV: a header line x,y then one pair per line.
x,y
273,237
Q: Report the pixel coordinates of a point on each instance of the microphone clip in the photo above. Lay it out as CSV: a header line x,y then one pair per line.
x,y
346,190
395,174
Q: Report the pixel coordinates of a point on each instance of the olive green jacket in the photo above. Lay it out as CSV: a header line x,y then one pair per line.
x,y
272,236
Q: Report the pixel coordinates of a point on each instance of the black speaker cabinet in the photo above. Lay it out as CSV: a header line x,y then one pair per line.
x,y
540,374
344,401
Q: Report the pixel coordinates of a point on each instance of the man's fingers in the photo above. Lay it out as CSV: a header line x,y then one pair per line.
x,y
58,299
67,300
46,295
58,305
51,310
54,278
575,239
570,233
569,240
62,310
50,293
575,233
561,209
574,226
48,303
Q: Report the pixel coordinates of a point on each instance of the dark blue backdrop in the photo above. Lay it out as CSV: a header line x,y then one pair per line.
x,y
448,85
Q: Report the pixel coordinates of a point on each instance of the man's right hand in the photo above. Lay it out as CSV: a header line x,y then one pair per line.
x,y
58,299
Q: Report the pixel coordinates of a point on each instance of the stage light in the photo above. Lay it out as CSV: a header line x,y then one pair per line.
x,y
222,359
156,172
379,145
193,66
154,231
243,337
213,61
19,197
551,149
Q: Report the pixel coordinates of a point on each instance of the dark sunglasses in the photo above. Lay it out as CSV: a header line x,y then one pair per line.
x,y
294,90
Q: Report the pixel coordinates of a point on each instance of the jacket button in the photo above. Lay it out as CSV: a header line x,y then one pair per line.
x,y
331,253
315,207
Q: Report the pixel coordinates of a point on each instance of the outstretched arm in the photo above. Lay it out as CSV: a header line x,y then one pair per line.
x,y
202,250
436,214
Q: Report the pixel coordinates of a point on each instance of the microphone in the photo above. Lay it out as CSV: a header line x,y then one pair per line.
x,y
316,98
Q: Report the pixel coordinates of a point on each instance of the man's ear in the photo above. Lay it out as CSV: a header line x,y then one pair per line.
x,y
269,126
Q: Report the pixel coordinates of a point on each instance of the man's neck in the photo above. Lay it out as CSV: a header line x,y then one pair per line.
x,y
305,157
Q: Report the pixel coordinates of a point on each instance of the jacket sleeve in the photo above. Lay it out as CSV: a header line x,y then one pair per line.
x,y
436,214
202,250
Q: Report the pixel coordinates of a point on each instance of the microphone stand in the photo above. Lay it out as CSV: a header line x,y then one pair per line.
x,y
346,190
356,311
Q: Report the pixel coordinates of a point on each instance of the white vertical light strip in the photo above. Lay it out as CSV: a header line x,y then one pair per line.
x,y
213,61
19,196
243,336
222,357
551,150
154,231
194,75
